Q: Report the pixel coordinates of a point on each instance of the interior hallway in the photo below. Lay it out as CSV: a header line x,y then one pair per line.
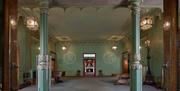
x,y
90,84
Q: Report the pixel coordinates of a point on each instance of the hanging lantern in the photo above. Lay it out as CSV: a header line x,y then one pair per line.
x,y
32,23
146,23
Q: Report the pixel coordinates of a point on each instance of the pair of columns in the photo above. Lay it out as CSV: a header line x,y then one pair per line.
x,y
44,77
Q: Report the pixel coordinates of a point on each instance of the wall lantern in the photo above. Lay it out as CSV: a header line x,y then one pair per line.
x,y
114,47
64,47
166,25
13,22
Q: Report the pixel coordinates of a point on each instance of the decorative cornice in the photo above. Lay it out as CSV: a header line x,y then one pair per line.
x,y
44,3
85,3
135,2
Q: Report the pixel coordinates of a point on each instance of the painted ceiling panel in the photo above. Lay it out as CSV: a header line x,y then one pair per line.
x,y
89,23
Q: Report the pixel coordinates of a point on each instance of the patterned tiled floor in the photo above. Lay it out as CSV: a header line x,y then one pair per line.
x,y
90,84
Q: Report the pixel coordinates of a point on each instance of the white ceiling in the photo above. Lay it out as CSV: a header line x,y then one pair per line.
x,y
90,23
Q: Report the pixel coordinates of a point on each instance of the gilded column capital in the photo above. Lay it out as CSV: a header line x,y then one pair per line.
x,y
134,5
44,6
135,2
44,3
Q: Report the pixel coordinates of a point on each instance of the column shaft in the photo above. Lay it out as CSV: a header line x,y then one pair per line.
x,y
136,67
43,33
43,59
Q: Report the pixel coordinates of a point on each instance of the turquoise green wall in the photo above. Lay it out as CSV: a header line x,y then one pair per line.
x,y
143,53
127,43
155,35
156,52
1,38
26,52
24,44
157,58
34,53
71,60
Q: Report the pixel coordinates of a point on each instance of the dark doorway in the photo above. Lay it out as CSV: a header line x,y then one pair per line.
x,y
89,64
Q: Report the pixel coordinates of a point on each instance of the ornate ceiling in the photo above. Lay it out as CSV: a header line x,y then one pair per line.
x,y
86,20
85,3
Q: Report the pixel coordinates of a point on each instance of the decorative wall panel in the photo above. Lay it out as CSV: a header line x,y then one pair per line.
x,y
107,60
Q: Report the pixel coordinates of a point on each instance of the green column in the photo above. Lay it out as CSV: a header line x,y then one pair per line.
x,y
43,58
136,67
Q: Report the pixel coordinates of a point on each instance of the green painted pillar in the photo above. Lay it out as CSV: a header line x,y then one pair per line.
x,y
43,65
136,67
